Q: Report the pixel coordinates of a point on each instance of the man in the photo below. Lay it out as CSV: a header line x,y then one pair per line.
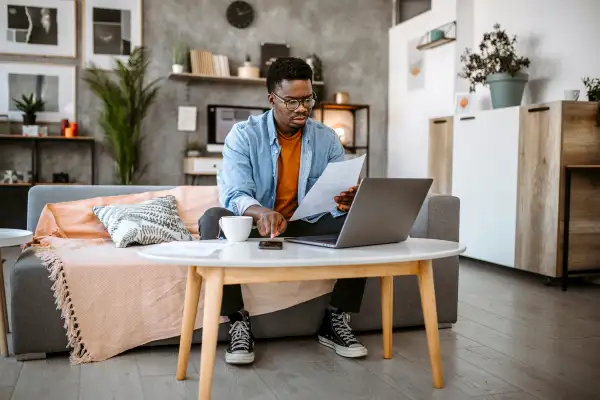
x,y
270,162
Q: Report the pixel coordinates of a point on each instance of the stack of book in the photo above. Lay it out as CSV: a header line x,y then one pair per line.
x,y
207,63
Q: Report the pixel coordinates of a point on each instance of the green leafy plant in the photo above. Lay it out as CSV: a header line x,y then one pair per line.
x,y
126,98
180,53
592,86
29,106
497,54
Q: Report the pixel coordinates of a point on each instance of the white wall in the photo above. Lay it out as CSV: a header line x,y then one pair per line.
x,y
559,36
409,111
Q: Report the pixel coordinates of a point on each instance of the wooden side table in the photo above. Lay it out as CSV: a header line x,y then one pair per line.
x,y
243,263
8,238
567,219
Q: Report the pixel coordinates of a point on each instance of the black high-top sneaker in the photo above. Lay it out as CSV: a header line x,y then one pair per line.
x,y
336,334
241,340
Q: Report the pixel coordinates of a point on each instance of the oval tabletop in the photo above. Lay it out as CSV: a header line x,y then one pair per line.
x,y
220,253
14,237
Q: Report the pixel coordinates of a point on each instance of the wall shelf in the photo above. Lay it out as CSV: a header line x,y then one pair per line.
x,y
188,77
438,37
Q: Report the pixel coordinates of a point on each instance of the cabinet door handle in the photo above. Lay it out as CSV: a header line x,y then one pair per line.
x,y
538,109
467,118
440,121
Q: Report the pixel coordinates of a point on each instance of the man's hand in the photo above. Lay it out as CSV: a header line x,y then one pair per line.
x,y
345,199
269,222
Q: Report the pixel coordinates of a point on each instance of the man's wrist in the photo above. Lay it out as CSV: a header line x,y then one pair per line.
x,y
256,212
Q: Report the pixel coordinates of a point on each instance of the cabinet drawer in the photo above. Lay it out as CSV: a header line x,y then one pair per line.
x,y
202,165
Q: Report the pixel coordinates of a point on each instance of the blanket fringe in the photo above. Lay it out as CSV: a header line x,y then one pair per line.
x,y
63,301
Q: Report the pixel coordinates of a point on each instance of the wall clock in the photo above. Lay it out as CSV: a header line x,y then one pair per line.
x,y
240,14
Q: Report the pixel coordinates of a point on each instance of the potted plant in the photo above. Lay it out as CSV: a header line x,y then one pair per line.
x,y
592,86
193,149
180,54
126,98
497,65
29,106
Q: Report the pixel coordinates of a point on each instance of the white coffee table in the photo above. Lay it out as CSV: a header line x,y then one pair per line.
x,y
8,238
245,263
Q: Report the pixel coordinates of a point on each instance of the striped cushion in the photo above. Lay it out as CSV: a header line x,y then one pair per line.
x,y
149,222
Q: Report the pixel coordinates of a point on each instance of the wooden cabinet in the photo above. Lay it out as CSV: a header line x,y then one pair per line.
x,y
507,168
440,154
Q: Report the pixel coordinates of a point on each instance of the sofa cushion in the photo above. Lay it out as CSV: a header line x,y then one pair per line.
x,y
149,222
76,220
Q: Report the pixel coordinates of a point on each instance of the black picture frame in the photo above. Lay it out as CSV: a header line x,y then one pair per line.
x,y
270,52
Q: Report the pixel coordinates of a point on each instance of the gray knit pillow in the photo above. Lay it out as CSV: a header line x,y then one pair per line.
x,y
149,222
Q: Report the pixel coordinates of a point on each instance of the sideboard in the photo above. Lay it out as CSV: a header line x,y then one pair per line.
x,y
507,166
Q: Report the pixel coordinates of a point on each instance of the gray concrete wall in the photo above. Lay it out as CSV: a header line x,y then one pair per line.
x,y
350,37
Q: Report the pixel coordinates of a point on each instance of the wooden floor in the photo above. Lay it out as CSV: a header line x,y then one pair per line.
x,y
516,339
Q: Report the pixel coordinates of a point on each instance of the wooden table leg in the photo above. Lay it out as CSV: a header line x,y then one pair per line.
x,y
192,295
387,313
3,313
431,321
213,278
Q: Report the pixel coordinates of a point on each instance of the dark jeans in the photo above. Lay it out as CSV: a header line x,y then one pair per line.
x,y
347,294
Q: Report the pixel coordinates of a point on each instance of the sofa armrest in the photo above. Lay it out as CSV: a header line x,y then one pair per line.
x,y
439,218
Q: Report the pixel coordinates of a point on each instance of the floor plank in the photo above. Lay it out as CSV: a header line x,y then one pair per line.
x,y
568,371
235,382
6,392
9,371
50,379
470,379
530,380
328,380
117,379
157,361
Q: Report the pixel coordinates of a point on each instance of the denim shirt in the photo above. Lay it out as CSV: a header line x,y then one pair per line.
x,y
249,173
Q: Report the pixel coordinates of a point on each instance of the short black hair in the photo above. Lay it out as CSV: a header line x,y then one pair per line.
x,y
287,69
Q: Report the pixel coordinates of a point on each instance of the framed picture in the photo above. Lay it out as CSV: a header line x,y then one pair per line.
x,y
38,28
270,52
111,29
55,84
463,103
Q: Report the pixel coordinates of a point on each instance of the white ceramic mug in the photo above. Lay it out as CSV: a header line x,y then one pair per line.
x,y
572,95
236,229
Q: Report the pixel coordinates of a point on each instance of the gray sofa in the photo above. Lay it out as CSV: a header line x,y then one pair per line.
x,y
37,326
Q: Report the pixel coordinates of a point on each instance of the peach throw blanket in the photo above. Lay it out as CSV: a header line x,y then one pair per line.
x,y
113,300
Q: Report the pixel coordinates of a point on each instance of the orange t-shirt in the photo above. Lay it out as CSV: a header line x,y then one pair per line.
x,y
288,165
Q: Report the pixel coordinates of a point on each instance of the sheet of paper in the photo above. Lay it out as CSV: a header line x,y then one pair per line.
x,y
336,178
196,248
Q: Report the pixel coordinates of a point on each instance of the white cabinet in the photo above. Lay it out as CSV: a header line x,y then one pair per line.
x,y
484,177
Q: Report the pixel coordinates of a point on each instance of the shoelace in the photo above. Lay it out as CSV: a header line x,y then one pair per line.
x,y
341,325
240,336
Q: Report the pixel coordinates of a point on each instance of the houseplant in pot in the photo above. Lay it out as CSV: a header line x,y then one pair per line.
x,y
29,106
180,54
592,87
497,65
126,98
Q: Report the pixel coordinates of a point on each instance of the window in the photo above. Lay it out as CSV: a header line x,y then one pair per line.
x,y
407,9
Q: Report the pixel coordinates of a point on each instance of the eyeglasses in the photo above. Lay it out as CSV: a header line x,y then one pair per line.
x,y
292,105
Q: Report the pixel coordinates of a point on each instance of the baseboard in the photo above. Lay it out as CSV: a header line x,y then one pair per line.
x,y
30,356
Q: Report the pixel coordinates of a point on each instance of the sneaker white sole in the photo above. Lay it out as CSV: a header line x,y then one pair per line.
x,y
239,358
349,352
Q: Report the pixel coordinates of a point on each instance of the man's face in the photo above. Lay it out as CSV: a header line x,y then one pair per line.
x,y
291,90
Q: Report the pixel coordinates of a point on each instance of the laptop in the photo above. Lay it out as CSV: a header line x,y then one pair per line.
x,y
384,211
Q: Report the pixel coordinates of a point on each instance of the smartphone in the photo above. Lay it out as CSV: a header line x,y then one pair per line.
x,y
270,245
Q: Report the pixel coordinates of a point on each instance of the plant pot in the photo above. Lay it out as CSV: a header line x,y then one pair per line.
x,y
193,153
29,119
507,90
177,68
